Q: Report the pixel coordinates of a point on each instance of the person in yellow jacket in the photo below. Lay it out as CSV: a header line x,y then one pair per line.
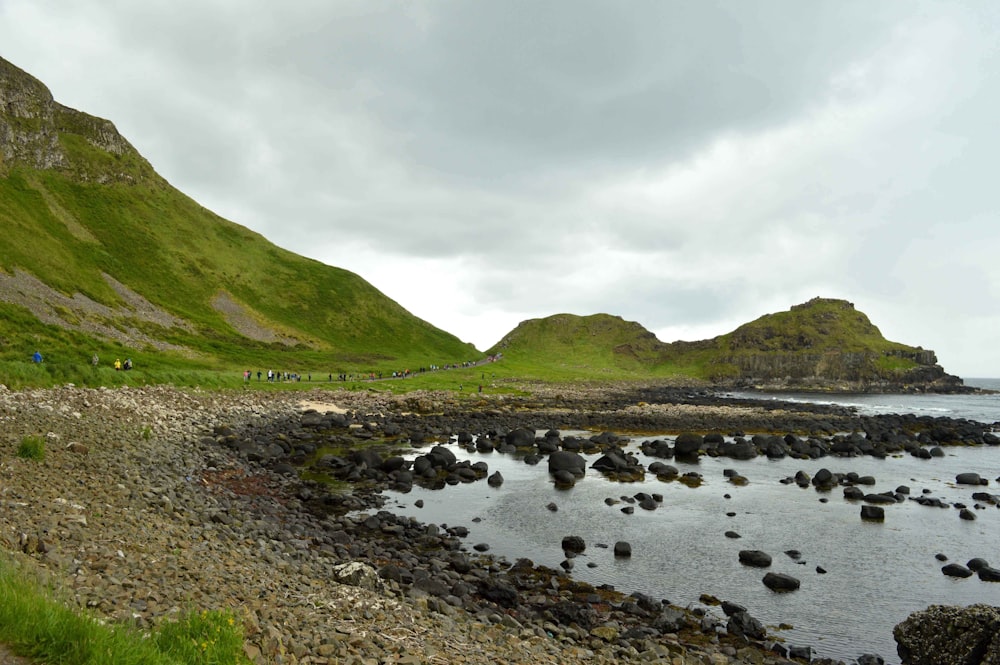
x,y
118,364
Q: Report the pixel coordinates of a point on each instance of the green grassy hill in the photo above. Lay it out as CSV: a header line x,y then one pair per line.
x,y
823,342
567,346
99,254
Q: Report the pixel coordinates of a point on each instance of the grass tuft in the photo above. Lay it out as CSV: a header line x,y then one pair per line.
x,y
32,447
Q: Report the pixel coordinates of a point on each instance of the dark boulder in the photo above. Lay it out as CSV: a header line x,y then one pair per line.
x,y
802,653
664,471
956,570
670,620
988,574
879,498
606,439
442,457
498,591
563,460
394,463
742,624
976,563
730,608
623,549
687,444
495,480
613,460
871,659
780,582
755,558
853,493
823,478
970,479
568,613
657,448
873,513
520,438
573,544
741,451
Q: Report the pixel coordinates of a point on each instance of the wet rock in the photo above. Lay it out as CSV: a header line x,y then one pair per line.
x,y
687,444
956,570
976,563
873,513
755,558
870,659
780,582
853,493
569,462
989,574
520,438
947,635
823,479
742,624
970,479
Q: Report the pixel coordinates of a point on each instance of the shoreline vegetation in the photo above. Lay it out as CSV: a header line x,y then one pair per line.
x,y
153,504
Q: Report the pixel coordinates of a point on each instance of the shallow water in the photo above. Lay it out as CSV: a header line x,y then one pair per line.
x,y
877,573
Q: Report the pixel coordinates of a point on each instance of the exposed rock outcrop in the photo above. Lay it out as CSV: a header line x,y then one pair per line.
x,y
39,133
948,635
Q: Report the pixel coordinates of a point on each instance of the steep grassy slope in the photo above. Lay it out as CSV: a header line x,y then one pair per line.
x,y
100,254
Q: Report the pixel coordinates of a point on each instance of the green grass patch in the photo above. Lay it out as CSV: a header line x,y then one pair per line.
x,y
37,625
32,447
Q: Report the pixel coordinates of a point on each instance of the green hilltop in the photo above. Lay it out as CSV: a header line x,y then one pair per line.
x,y
820,344
101,255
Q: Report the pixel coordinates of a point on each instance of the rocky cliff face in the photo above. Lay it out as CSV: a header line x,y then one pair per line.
x,y
39,133
827,344
834,366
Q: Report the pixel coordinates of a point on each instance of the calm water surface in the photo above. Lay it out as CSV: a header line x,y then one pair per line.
x,y
877,573
982,408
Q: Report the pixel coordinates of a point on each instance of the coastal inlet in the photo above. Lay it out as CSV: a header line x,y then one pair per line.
x,y
858,577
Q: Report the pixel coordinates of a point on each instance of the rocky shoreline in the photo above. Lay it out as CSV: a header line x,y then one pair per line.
x,y
153,501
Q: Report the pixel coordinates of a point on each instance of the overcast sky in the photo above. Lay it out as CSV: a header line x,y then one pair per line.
x,y
687,165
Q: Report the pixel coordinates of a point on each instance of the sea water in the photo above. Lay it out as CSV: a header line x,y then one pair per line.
x,y
983,407
876,574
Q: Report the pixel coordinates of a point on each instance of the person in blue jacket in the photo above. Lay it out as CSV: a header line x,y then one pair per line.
x,y
37,357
